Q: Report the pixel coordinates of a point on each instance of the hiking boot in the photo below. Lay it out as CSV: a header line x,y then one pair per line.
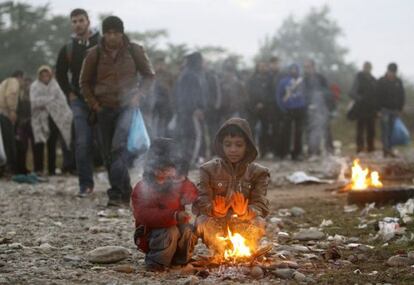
x,y
83,193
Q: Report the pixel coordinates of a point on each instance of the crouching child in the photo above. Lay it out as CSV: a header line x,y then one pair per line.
x,y
163,231
232,190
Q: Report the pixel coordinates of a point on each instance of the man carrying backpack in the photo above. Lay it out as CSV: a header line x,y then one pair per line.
x,y
109,83
70,61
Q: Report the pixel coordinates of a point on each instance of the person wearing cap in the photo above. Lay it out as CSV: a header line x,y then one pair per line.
x,y
391,99
109,83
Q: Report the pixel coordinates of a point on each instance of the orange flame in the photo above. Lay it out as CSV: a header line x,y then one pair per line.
x,y
360,179
238,249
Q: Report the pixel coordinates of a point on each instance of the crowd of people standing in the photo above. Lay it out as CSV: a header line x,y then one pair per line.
x,y
87,103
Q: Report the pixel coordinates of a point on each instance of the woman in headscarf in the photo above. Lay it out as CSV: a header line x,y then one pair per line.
x,y
51,117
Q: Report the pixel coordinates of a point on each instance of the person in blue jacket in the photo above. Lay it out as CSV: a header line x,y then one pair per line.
x,y
292,103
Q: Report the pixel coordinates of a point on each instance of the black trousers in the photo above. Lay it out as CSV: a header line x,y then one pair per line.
x,y
293,123
38,155
9,141
24,138
365,127
265,134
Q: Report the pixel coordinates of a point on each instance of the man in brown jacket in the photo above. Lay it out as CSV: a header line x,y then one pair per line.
x,y
109,83
10,90
232,190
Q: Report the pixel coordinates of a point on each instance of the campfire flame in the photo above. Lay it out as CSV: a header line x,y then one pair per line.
x,y
238,247
360,179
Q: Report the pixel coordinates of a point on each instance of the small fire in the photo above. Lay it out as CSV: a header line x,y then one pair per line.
x,y
238,247
360,179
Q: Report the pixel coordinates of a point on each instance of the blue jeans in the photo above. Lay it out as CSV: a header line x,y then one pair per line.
x,y
387,123
113,130
83,143
173,245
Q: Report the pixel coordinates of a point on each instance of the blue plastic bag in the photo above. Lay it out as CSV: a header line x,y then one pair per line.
x,y
400,134
138,138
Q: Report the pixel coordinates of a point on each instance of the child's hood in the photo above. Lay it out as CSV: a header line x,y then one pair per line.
x,y
251,150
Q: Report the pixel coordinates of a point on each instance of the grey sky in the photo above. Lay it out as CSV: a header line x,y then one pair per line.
x,y
375,30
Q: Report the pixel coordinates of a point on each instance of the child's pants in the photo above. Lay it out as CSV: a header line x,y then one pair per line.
x,y
210,228
170,245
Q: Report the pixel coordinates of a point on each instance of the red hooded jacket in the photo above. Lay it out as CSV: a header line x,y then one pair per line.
x,y
156,209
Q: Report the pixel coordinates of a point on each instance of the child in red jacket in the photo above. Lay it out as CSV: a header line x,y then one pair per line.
x,y
162,226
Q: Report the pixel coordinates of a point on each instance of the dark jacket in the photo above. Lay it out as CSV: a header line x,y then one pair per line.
x,y
318,83
391,94
234,94
113,82
364,94
220,177
191,90
259,89
70,59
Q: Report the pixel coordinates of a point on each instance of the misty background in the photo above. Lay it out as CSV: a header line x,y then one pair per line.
x,y
338,35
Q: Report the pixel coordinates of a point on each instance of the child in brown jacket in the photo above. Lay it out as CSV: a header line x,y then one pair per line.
x,y
232,190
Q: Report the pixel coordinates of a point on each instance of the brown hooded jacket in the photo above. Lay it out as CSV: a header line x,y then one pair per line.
x,y
220,177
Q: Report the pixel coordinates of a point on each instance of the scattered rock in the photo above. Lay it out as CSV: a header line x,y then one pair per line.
x,y
332,253
362,257
297,212
309,234
124,268
352,258
16,245
187,269
193,280
399,261
284,273
72,258
46,247
99,229
350,208
107,254
257,272
411,255
299,277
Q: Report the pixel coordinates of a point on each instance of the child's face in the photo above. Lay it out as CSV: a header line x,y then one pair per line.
x,y
234,148
167,174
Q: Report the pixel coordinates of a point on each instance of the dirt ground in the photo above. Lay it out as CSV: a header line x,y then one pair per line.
x,y
46,231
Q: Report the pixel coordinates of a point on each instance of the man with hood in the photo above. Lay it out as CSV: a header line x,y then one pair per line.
x,y
191,92
69,61
109,82
232,189
292,103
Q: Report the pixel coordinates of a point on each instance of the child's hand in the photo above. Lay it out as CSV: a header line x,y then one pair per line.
x,y
183,217
219,206
239,204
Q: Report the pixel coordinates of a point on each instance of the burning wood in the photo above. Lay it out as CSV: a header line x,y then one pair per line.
x,y
363,179
237,247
